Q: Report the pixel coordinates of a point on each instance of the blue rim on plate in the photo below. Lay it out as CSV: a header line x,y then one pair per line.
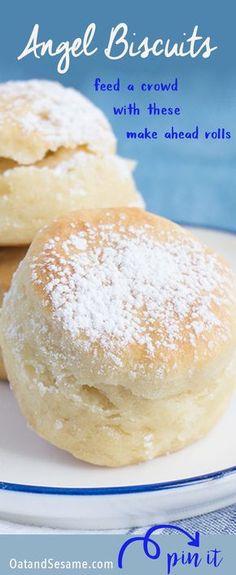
x,y
122,490
119,490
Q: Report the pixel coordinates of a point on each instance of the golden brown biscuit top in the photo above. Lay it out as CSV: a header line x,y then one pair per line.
x,y
38,116
125,283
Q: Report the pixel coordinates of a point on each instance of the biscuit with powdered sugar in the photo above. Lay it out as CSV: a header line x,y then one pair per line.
x,y
120,325
57,155
40,116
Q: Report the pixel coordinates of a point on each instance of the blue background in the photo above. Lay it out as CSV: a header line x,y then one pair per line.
x,y
185,180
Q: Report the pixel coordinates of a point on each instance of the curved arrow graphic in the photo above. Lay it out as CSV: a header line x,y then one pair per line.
x,y
194,541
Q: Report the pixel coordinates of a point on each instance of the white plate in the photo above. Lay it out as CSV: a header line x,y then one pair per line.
x,y
42,485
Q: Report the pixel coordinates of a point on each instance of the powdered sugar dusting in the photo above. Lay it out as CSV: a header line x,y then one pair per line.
x,y
119,285
60,116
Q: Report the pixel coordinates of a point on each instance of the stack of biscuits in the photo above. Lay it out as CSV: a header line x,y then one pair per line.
x,y
57,155
119,329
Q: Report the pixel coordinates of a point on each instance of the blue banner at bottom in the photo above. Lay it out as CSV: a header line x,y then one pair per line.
x,y
180,553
